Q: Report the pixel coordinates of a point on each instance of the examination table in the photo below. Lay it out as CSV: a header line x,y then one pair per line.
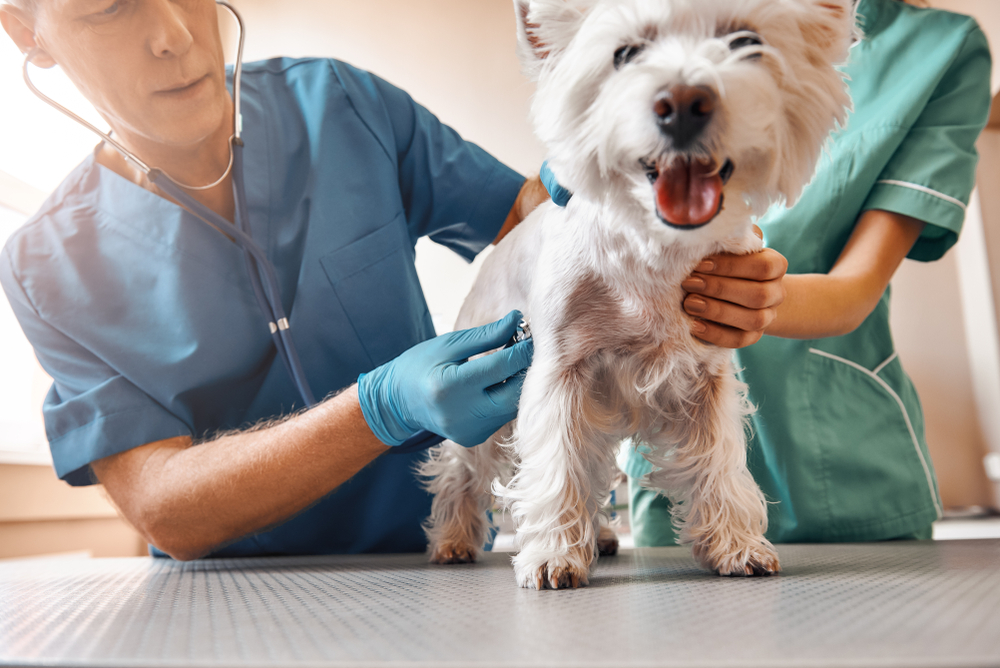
x,y
888,604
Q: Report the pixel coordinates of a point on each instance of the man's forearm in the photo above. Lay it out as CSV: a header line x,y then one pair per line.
x,y
189,500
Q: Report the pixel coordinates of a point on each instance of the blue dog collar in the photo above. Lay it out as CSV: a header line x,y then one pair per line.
x,y
559,195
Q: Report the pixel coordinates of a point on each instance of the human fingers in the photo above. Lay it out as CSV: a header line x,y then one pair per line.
x,y
730,315
499,366
467,343
742,292
723,336
765,265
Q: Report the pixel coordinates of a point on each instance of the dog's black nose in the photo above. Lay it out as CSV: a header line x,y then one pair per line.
x,y
683,112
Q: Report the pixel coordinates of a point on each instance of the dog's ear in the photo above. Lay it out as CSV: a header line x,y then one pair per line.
x,y
830,27
545,28
816,99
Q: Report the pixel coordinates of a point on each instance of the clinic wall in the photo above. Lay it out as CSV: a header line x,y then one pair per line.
x,y
41,515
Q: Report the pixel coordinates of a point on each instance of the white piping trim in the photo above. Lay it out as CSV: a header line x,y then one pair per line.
x,y
925,189
877,370
906,417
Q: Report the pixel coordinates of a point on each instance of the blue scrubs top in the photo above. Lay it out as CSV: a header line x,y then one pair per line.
x,y
146,319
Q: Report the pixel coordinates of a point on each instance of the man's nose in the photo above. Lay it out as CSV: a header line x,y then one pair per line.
x,y
683,112
169,35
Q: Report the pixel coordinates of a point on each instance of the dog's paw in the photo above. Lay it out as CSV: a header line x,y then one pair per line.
x,y
452,553
607,543
557,573
759,559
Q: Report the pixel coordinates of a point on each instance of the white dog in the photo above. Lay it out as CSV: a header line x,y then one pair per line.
x,y
674,123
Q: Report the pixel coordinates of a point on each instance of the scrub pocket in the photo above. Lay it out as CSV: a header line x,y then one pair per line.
x,y
377,285
875,472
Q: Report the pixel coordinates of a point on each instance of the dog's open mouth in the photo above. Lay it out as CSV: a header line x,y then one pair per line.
x,y
688,191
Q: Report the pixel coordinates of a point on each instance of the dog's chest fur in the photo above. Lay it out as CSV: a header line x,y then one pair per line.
x,y
613,312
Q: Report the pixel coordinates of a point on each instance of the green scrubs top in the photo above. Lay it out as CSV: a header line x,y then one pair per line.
x,y
838,438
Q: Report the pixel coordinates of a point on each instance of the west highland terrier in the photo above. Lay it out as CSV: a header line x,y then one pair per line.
x,y
674,123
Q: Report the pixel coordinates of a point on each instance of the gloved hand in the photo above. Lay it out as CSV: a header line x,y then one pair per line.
x,y
434,386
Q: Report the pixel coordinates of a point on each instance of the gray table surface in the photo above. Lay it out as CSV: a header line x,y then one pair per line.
x,y
889,604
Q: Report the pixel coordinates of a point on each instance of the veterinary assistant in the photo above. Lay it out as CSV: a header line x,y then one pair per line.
x,y
838,438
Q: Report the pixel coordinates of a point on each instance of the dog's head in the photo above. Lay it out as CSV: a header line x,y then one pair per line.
x,y
685,104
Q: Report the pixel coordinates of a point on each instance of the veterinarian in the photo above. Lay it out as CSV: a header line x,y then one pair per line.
x,y
838,439
168,387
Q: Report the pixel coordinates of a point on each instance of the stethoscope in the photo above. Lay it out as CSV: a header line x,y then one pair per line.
x,y
262,275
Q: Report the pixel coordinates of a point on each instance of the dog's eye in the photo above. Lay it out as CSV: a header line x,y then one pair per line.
x,y
627,54
744,39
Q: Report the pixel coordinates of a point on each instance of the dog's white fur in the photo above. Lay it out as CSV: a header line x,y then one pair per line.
x,y
600,279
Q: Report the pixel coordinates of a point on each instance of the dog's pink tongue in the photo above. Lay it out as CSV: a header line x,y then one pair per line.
x,y
688,192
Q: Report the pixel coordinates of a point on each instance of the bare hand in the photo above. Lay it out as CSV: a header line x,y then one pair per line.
x,y
734,298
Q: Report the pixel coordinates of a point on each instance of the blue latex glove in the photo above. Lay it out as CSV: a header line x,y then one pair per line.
x,y
434,386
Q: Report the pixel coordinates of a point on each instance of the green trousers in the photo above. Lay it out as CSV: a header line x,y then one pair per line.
x,y
649,514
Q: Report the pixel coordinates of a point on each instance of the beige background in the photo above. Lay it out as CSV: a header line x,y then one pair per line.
x,y
41,515
457,58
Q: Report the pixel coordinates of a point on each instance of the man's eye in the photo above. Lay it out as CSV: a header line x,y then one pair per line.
x,y
627,54
110,11
744,39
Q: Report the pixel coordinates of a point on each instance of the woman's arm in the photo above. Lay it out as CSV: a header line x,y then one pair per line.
x,y
818,306
737,299
531,195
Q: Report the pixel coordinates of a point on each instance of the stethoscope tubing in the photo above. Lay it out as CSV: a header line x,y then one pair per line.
x,y
258,266
263,278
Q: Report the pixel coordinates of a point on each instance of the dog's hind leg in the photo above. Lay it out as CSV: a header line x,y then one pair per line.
x,y
607,541
718,506
461,479
607,537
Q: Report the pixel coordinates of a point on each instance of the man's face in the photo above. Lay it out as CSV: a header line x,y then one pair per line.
x,y
153,68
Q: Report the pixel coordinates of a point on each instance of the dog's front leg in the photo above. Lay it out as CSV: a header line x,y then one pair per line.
x,y
563,477
717,504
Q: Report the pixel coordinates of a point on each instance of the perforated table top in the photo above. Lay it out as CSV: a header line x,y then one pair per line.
x,y
890,604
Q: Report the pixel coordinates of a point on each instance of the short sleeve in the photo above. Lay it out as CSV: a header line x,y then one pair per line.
x,y
453,191
932,173
91,411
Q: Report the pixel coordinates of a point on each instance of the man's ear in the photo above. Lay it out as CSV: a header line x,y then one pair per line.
x,y
20,26
545,28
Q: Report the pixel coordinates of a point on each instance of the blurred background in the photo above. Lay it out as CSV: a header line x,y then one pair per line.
x,y
457,58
